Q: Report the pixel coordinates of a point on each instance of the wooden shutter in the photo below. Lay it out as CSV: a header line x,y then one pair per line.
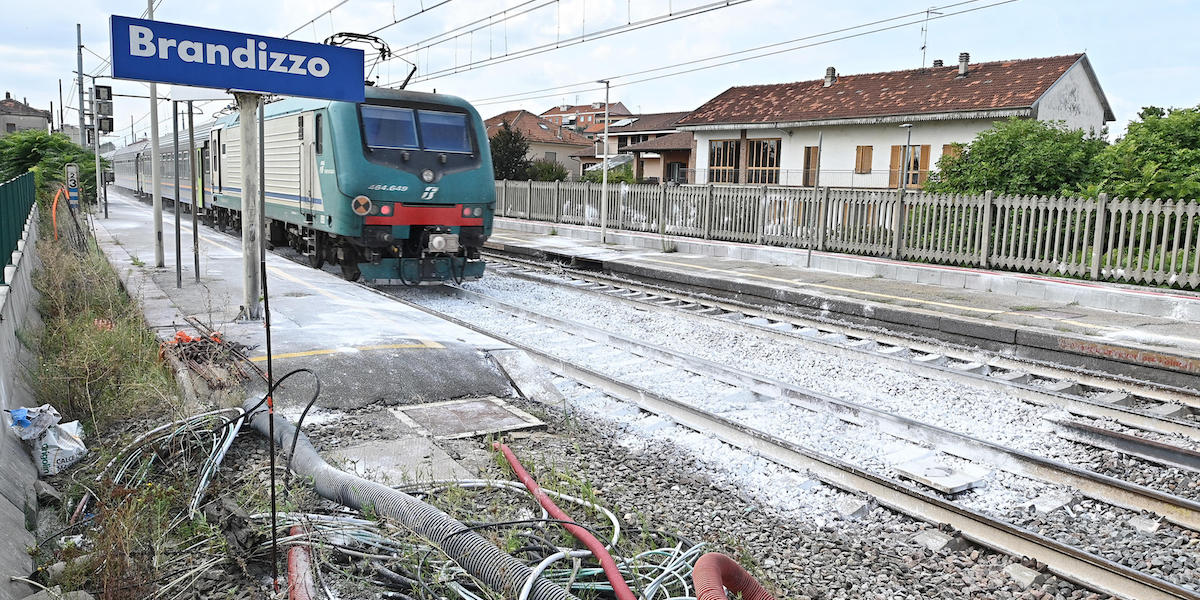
x,y
894,167
863,156
924,169
951,150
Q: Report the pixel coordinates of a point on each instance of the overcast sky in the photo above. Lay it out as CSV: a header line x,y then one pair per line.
x,y
1143,52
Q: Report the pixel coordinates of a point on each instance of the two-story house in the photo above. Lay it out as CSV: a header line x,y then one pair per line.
x,y
547,140
18,116
649,164
583,116
852,130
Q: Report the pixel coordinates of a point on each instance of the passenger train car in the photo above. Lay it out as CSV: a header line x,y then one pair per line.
x,y
397,187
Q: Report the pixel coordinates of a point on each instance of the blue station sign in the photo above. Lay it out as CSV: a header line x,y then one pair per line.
x,y
182,54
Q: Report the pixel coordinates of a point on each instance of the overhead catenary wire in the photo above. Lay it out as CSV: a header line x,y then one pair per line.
x,y
582,38
517,97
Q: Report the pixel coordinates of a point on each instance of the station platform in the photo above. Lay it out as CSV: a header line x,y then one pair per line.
x,y
1144,333
365,346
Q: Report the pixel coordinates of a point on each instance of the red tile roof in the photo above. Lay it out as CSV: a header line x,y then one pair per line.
x,y
988,86
535,129
680,140
650,122
12,106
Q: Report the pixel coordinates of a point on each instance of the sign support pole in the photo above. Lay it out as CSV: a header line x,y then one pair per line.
x,y
96,148
155,168
178,198
248,104
197,188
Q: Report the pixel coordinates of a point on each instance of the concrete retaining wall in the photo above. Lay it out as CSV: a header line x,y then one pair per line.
x,y
18,500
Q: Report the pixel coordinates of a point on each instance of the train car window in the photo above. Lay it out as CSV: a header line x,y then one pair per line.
x,y
300,126
444,131
317,132
388,128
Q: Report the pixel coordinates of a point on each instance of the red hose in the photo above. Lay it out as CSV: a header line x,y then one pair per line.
x,y
715,572
299,570
606,560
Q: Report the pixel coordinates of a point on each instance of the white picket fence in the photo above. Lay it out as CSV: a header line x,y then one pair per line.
x,y
1151,242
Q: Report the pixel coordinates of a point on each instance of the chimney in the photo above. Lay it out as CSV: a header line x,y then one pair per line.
x,y
938,63
8,95
963,59
830,76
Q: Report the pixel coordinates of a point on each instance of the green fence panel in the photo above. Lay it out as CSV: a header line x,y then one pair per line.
x,y
16,200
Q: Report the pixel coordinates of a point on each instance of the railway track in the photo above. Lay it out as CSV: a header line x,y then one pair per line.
x,y
1067,561
1140,405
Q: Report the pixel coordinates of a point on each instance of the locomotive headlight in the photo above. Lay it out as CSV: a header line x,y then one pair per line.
x,y
361,205
437,243
478,211
427,176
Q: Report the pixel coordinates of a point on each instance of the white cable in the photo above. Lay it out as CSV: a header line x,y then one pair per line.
x,y
542,566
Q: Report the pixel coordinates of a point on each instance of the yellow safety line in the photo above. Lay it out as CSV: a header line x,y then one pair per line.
x,y
341,350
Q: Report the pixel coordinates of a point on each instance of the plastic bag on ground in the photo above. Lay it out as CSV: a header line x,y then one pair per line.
x,y
28,423
59,447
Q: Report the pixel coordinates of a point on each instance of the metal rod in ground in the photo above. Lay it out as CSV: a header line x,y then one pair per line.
x,y
197,189
175,166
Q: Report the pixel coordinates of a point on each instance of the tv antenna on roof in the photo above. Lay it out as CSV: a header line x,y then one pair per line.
x,y
925,33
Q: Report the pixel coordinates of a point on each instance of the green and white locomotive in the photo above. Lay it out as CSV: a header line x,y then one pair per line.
x,y
399,186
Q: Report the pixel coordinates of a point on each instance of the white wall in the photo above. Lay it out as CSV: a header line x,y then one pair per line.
x,y
840,144
538,150
1074,101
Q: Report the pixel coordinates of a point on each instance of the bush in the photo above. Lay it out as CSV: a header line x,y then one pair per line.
x,y
622,174
546,170
1159,157
47,155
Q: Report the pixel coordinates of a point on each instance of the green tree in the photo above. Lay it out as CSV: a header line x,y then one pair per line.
x,y
46,154
510,151
547,170
622,174
1021,156
1159,157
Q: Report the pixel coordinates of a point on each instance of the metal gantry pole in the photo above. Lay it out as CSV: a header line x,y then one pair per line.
x,y
197,189
155,168
247,109
96,148
604,175
79,72
178,196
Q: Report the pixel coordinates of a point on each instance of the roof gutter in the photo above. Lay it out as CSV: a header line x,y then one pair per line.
x,y
1002,113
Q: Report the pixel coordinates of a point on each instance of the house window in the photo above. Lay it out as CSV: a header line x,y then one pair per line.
x,y
10,127
862,159
762,161
812,164
723,161
917,170
552,156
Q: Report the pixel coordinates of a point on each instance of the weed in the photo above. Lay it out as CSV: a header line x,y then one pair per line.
x,y
1023,308
137,262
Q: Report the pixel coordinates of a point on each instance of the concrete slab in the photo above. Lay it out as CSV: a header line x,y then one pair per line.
x,y
1051,501
1116,398
938,540
404,460
851,507
1025,577
1170,409
470,417
931,472
1144,524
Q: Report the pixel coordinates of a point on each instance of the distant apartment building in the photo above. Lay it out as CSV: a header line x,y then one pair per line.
x,y
583,116
16,115
639,139
851,130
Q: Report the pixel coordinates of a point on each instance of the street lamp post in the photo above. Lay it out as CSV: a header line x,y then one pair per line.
x,y
604,174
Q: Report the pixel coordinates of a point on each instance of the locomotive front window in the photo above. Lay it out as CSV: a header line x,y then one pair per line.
x,y
444,131
389,128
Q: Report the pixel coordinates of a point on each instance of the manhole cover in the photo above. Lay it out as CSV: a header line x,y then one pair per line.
x,y
471,417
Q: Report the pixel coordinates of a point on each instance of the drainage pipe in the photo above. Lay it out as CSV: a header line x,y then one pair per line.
x,y
478,557
715,572
620,588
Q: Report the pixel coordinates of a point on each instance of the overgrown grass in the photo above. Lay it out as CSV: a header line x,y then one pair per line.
x,y
97,360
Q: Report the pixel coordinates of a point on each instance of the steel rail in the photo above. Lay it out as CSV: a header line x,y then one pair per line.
x,y
1075,404
1067,562
1181,511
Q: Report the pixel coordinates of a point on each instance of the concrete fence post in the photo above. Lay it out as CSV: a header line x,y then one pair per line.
x,y
558,202
504,197
985,240
822,216
762,216
898,224
529,199
708,200
1100,233
662,208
